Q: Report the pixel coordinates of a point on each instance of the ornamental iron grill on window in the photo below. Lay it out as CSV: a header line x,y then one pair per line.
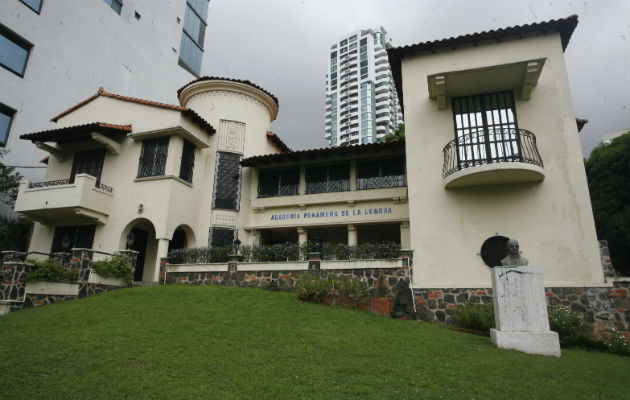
x,y
153,157
326,179
278,183
76,237
227,181
188,162
486,131
222,237
381,174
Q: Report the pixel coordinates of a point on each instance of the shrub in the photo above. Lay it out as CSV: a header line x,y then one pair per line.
x,y
570,327
479,317
313,287
50,271
617,343
200,255
364,251
114,267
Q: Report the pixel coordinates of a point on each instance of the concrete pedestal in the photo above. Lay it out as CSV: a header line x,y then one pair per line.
x,y
544,343
520,310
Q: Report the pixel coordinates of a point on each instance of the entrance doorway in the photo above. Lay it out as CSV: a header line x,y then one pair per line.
x,y
137,240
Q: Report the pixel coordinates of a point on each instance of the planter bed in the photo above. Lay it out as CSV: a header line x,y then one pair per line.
x,y
53,288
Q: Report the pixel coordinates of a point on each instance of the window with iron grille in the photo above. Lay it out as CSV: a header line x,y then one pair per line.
x,y
381,174
278,183
222,237
227,181
153,157
325,179
188,162
73,237
486,129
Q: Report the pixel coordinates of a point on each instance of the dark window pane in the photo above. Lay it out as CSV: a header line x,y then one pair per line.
x,y
13,51
222,237
200,6
88,162
227,183
190,55
268,184
194,26
6,117
153,157
188,162
77,237
116,5
289,182
35,5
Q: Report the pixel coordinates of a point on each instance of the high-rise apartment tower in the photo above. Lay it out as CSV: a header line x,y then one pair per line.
x,y
361,101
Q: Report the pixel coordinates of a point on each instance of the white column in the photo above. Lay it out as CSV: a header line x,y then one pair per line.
x,y
352,235
162,251
405,241
353,175
302,184
301,235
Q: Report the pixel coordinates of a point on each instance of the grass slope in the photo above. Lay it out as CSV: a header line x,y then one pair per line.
x,y
184,342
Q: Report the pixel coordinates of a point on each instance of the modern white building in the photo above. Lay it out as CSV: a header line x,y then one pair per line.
x,y
55,51
361,101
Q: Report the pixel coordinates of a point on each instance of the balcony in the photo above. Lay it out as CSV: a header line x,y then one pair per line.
x,y
63,201
492,157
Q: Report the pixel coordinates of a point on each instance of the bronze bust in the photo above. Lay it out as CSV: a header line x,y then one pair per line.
x,y
513,259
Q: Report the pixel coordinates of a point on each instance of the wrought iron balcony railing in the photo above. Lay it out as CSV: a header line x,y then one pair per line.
x,y
489,147
62,182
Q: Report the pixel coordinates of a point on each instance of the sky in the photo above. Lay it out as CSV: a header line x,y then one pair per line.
x,y
283,46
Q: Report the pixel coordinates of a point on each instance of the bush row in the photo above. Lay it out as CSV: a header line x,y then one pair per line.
x,y
51,270
311,287
570,327
286,252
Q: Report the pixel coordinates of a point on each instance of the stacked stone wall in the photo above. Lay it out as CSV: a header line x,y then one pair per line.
x,y
383,282
602,308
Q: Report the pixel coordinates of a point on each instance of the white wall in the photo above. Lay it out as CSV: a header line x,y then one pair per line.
x,y
79,45
552,219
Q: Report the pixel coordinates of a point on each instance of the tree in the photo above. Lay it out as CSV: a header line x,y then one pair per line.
x,y
9,182
399,133
608,174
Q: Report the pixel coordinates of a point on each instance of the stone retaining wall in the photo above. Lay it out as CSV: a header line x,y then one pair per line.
x,y
383,282
602,308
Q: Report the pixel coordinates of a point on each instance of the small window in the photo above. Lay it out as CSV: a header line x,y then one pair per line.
x,y
188,162
14,51
381,174
227,181
116,5
326,179
6,117
278,183
35,5
153,157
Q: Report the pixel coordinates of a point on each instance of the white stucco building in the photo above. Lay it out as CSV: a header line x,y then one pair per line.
x,y
491,152
361,102
53,52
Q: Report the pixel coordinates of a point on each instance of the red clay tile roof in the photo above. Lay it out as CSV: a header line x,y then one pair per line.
x,y
276,141
77,132
580,123
101,92
216,78
324,152
564,26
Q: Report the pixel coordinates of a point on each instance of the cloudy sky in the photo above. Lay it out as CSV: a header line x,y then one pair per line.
x,y
283,45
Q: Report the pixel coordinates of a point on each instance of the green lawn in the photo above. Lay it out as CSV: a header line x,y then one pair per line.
x,y
181,342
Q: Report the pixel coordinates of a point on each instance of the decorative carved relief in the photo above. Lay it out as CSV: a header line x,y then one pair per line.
x,y
231,136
